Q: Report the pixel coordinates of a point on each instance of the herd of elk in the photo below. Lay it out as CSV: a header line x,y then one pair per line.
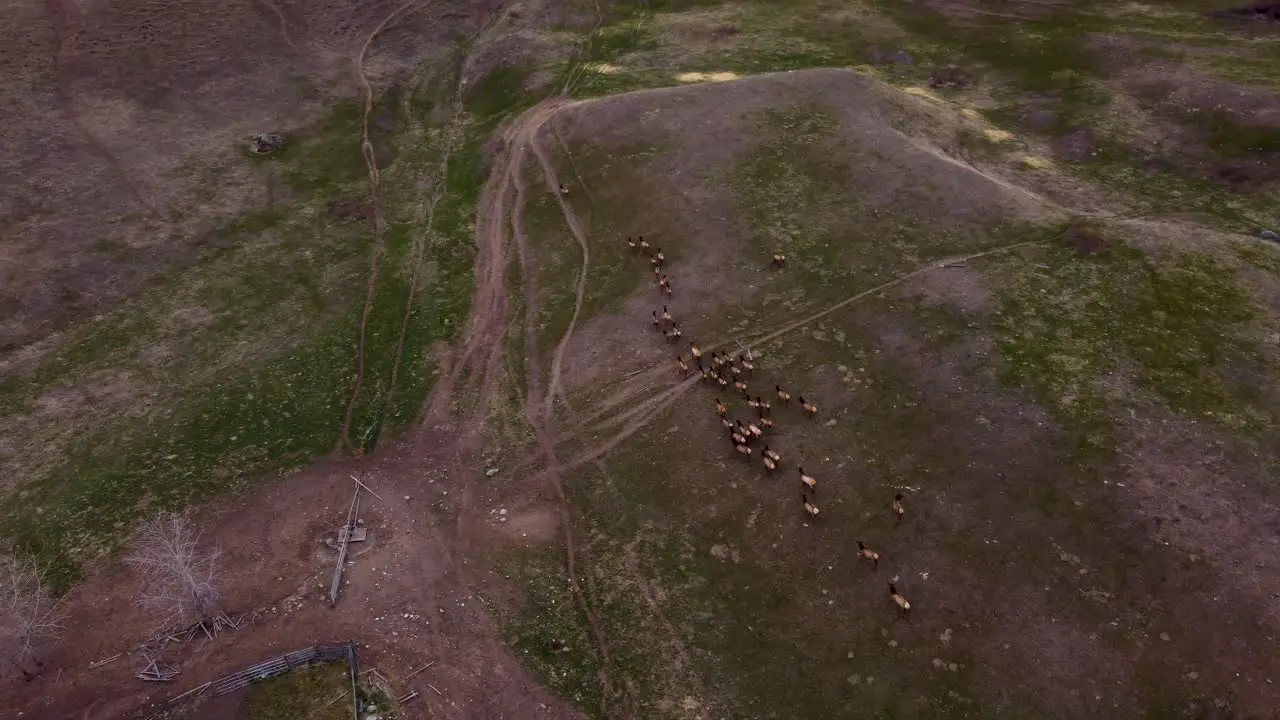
x,y
723,369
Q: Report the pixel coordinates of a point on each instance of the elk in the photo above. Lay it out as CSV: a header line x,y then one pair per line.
x,y
898,599
898,508
808,506
809,481
779,259
784,397
809,408
869,554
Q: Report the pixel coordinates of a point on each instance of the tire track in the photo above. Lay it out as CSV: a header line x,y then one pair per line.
x,y
538,413
379,221
575,228
422,242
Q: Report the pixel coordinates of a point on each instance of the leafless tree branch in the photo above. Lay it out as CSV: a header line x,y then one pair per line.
x,y
29,615
180,579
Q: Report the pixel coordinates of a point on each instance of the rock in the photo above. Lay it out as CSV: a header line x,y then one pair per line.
x,y
1269,235
372,709
264,143
491,472
503,511
1165,637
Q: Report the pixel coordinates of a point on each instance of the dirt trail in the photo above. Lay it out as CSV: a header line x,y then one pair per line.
x,y
379,222
575,228
539,409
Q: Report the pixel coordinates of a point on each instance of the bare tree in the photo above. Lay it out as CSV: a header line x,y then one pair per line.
x,y
181,582
29,616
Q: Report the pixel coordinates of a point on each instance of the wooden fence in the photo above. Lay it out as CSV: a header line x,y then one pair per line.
x,y
323,654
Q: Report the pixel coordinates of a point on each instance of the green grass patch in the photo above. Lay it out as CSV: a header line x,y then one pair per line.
x,y
1262,257
1074,333
306,694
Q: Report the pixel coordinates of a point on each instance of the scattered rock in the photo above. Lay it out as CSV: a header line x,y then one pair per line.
x,y
264,143
950,77
503,511
945,636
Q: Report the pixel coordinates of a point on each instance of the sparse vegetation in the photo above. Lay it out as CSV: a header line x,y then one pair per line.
x,y
319,692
